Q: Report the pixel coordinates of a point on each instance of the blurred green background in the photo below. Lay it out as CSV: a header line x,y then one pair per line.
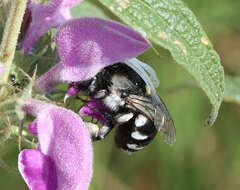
x,y
202,158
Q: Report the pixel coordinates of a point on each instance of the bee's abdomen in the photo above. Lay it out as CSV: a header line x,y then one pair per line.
x,y
133,135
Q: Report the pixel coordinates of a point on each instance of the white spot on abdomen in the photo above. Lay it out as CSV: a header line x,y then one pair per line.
x,y
134,147
124,118
138,136
140,120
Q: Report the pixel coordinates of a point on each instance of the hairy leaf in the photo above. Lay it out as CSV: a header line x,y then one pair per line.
x,y
173,26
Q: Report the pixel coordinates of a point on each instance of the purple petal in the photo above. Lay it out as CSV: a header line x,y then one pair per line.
x,y
34,107
72,91
67,142
51,78
33,127
38,170
65,139
85,110
1,68
91,110
44,17
86,45
27,19
98,105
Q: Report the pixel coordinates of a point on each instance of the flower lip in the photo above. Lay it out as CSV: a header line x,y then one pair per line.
x,y
88,44
40,174
110,41
44,17
64,153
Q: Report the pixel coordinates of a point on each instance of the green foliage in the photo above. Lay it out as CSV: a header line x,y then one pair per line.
x,y
201,158
173,26
89,8
232,89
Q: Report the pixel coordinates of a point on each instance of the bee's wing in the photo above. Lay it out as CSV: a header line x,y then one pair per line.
x,y
154,108
163,121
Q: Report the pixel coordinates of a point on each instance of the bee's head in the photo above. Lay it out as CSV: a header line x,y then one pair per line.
x,y
122,86
130,78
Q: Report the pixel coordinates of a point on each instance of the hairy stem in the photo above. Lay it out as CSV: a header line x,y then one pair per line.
x,y
9,40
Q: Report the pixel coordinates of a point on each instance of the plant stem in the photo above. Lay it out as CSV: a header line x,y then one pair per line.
x,y
10,37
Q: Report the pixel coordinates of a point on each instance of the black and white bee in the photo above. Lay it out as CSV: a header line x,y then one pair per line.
x,y
128,91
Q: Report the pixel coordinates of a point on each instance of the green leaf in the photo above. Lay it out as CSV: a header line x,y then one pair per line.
x,y
173,26
89,8
232,89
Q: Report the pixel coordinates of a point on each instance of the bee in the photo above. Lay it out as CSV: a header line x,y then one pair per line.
x,y
128,91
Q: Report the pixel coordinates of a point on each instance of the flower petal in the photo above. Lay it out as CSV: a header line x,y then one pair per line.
x,y
1,68
48,80
38,170
91,110
44,17
65,139
33,127
71,91
86,45
27,19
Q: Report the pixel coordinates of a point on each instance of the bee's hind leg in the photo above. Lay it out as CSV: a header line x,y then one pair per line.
x,y
99,133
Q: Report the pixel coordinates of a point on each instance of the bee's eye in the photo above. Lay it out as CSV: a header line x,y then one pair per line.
x,y
124,94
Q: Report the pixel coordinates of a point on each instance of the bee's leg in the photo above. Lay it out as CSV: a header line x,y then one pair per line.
x,y
92,88
107,127
99,133
104,131
92,128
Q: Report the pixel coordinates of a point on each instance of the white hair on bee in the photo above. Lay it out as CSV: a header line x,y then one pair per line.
x,y
146,72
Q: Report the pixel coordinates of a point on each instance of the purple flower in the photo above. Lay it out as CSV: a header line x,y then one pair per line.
x,y
86,45
63,159
1,68
92,110
27,19
44,17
